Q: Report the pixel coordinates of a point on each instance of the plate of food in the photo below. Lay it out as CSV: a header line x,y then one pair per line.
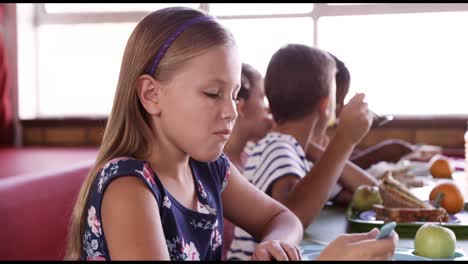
x,y
410,212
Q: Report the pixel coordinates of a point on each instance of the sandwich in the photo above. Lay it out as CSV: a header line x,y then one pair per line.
x,y
396,195
400,205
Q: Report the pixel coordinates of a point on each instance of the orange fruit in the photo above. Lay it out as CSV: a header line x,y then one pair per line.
x,y
452,201
440,168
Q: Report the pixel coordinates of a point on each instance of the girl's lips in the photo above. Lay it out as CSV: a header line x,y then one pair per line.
x,y
224,134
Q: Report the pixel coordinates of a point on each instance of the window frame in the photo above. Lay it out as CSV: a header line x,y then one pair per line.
x,y
319,10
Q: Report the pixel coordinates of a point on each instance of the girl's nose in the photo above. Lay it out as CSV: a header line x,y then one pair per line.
x,y
229,110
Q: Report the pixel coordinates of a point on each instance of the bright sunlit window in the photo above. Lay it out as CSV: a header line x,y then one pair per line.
x,y
80,8
405,63
408,61
274,32
259,9
79,67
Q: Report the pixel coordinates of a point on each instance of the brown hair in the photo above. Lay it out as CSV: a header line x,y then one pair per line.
x,y
343,78
128,131
297,77
248,79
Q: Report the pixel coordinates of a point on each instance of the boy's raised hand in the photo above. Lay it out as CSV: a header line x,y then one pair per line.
x,y
355,120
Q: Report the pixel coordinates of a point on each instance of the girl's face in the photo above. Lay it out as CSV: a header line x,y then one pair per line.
x,y
198,109
257,112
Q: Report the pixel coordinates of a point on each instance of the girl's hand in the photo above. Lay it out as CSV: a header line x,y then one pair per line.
x,y
276,250
362,246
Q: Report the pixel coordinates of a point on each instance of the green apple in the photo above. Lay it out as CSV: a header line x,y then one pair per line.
x,y
365,197
434,241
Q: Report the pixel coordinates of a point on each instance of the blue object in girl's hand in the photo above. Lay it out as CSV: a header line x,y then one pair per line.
x,y
386,229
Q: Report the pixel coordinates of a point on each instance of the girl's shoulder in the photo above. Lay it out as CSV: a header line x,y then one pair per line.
x,y
125,166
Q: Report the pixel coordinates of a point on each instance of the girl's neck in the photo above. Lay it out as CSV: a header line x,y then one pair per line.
x,y
300,129
168,161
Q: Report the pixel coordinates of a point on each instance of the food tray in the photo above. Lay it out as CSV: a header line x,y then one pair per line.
x,y
365,221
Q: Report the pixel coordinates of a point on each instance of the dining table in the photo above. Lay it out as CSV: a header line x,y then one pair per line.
x,y
332,220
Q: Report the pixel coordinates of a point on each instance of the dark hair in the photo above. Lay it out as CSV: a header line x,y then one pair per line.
x,y
248,78
343,78
297,77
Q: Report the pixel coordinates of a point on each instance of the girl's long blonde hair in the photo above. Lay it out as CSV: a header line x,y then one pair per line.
x,y
128,131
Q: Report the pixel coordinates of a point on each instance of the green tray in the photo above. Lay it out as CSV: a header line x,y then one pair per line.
x,y
405,230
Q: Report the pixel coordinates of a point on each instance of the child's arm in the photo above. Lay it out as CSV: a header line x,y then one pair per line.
x,y
360,246
264,218
306,197
132,222
352,177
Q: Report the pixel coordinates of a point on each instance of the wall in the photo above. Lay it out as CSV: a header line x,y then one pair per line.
x,y
445,132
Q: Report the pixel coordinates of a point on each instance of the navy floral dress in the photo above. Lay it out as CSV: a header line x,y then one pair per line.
x,y
190,235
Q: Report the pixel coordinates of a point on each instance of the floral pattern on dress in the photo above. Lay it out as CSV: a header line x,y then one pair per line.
x,y
190,251
216,238
106,174
203,224
91,247
147,174
94,222
225,180
179,250
166,202
206,209
184,239
201,189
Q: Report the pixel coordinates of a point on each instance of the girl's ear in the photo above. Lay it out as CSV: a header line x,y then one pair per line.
x,y
149,91
241,107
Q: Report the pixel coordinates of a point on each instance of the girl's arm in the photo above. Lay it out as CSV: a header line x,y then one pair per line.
x,y
263,217
132,222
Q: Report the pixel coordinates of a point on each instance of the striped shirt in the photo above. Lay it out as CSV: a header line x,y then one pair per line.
x,y
274,156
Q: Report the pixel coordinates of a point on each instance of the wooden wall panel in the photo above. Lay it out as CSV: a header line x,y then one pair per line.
x,y
60,136
90,132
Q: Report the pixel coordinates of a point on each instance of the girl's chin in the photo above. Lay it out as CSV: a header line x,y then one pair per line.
x,y
208,157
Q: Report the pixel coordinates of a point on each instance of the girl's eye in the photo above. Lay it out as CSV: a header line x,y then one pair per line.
x,y
212,95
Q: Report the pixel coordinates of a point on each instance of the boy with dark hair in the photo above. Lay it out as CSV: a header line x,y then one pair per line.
x,y
300,87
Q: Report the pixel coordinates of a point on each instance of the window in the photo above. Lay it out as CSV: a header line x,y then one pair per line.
x,y
259,9
78,67
407,58
80,8
274,32
405,63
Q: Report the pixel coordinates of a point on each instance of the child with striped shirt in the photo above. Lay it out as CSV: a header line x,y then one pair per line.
x,y
300,87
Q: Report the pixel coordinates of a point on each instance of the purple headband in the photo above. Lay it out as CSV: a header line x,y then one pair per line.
x,y
171,39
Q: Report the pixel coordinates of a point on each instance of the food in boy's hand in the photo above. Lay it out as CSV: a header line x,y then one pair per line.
x,y
451,198
365,197
440,167
434,241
